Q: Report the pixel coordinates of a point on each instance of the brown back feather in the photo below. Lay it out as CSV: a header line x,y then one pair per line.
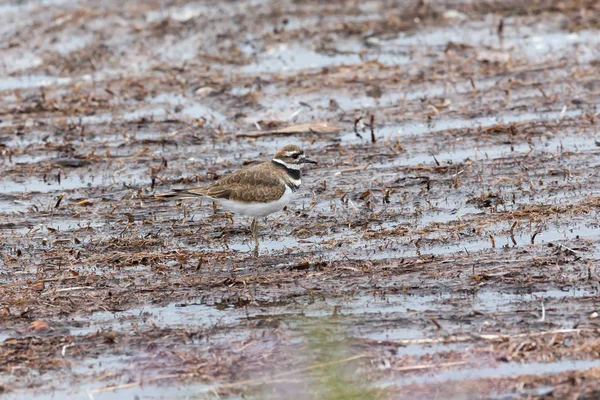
x,y
255,183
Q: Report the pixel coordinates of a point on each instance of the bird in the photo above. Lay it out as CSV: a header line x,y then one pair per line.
x,y
256,190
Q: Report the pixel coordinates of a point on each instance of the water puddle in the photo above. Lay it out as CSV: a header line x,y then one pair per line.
x,y
307,311
325,245
469,246
32,185
32,81
39,81
189,108
499,371
444,216
187,391
418,128
485,301
177,315
27,158
524,239
72,181
462,153
268,246
320,101
182,14
114,371
28,5
302,314
186,109
537,43
50,228
291,58
152,392
418,350
194,10
295,57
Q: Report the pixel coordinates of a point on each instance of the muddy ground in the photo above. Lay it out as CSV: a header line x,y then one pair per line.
x,y
445,246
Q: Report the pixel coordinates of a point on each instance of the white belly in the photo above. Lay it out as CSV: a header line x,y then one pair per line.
x,y
258,209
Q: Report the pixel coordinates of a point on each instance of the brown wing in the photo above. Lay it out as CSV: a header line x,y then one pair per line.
x,y
256,183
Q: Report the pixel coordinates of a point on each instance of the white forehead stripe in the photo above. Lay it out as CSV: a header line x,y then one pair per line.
x,y
293,152
295,167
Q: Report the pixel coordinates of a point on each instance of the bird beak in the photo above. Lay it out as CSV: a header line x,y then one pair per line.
x,y
307,161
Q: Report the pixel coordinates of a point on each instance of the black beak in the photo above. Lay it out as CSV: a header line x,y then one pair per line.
x,y
307,161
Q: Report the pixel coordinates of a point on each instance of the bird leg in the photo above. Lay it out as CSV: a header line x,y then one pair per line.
x,y
254,229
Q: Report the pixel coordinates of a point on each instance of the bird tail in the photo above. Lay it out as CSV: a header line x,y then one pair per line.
x,y
179,194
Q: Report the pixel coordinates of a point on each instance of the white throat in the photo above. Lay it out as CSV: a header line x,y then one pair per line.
x,y
295,167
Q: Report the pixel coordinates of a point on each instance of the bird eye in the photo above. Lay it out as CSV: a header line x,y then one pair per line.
x,y
295,156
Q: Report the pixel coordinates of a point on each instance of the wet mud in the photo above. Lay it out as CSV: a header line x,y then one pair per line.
x,y
445,246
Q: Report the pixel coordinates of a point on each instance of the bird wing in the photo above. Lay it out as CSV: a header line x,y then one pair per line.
x,y
251,184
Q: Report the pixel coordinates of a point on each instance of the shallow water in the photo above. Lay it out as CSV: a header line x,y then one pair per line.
x,y
162,104
499,371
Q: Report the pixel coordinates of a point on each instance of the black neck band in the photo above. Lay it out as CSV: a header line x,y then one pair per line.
x,y
292,173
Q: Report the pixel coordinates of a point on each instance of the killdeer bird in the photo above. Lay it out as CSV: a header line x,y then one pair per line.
x,y
256,190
